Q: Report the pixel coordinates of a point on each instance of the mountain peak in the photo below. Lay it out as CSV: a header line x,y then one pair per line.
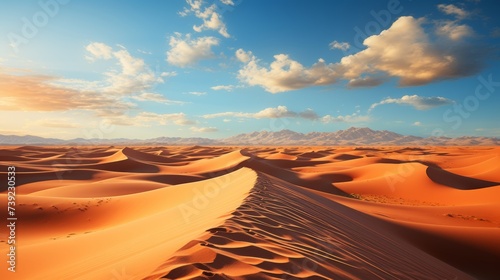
x,y
349,137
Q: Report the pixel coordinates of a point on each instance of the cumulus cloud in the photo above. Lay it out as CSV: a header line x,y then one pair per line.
x,y
453,10
284,112
404,51
204,129
344,46
227,2
212,20
418,102
187,52
284,74
417,124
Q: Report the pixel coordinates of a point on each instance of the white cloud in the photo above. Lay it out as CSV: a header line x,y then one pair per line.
x,y
186,51
227,2
453,10
149,118
130,65
168,74
98,51
212,20
344,46
155,97
418,102
204,129
268,113
285,74
404,51
132,77
197,93
284,112
144,52
244,56
225,87
417,124
347,118
453,30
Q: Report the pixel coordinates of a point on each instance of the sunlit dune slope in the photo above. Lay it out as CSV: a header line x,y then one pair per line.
x,y
254,212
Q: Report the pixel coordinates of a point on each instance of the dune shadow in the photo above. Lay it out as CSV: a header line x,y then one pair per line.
x,y
456,181
347,157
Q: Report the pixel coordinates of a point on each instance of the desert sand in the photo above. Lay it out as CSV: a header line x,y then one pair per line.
x,y
254,212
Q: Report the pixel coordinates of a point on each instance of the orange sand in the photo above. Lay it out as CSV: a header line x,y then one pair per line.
x,y
254,213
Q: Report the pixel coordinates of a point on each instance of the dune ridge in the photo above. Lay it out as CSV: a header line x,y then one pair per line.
x,y
284,232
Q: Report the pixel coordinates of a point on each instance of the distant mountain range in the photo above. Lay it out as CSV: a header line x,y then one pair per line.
x,y
350,137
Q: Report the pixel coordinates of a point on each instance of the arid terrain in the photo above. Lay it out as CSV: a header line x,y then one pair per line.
x,y
141,212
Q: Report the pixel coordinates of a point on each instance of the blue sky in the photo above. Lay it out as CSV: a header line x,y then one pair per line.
x,y
146,69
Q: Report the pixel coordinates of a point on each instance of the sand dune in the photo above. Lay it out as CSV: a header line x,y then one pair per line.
x,y
255,212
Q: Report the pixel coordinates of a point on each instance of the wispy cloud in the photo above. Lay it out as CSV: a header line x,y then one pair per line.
x,y
149,118
284,112
38,93
339,45
56,123
185,51
156,97
204,129
226,87
453,30
417,102
197,93
353,118
144,52
365,82
453,10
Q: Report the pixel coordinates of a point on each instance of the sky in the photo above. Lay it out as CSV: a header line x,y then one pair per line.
x,y
218,68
